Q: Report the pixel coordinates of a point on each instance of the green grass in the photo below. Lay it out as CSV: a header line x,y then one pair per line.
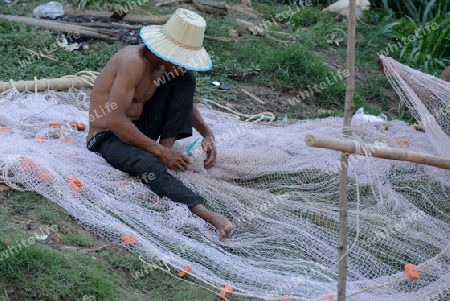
x,y
22,66
77,239
48,270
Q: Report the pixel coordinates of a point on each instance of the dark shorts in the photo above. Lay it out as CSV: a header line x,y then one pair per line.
x,y
167,114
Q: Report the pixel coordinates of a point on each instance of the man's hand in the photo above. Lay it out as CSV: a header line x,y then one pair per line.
x,y
209,146
174,160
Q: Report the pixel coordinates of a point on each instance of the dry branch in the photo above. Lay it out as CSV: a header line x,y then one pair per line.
x,y
65,27
242,10
130,18
12,4
348,146
219,39
39,54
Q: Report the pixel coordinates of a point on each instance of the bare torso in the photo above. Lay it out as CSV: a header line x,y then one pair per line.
x,y
144,88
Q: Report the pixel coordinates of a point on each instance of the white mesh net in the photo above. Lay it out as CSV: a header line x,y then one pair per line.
x,y
281,194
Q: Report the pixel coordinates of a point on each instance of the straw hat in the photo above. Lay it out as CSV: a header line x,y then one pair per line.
x,y
180,40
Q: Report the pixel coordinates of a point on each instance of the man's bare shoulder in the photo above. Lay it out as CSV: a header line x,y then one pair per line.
x,y
130,55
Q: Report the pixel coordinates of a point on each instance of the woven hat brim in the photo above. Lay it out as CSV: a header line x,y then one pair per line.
x,y
161,46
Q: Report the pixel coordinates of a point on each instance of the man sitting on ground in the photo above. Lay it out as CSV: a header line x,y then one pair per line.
x,y
145,93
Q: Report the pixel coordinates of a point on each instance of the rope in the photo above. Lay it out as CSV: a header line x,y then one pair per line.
x,y
256,117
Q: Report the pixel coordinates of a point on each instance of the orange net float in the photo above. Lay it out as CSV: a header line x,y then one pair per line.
x,y
129,239
227,290
78,126
41,138
45,176
329,297
411,271
67,140
27,164
76,184
185,270
285,298
55,124
5,129
403,143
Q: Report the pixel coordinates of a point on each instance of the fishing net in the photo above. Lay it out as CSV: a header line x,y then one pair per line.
x,y
281,194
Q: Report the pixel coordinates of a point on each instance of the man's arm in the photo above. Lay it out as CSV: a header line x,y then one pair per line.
x,y
208,142
122,93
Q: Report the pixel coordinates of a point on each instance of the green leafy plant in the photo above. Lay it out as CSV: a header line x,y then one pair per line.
x,y
430,51
418,10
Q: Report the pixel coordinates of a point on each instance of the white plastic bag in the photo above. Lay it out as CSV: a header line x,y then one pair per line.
x,y
361,116
50,9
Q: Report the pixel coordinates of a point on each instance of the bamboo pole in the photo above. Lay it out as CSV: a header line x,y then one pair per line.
x,y
349,146
59,84
348,113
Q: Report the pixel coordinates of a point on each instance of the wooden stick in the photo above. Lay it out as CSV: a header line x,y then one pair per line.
x,y
130,18
348,146
12,4
65,27
348,113
253,96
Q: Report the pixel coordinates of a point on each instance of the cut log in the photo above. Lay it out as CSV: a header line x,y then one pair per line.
x,y
111,25
138,27
129,18
60,26
210,7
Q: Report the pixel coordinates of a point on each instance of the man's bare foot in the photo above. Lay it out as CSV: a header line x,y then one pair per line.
x,y
222,224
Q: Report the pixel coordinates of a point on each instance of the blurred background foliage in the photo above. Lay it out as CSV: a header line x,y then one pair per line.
x,y
430,53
